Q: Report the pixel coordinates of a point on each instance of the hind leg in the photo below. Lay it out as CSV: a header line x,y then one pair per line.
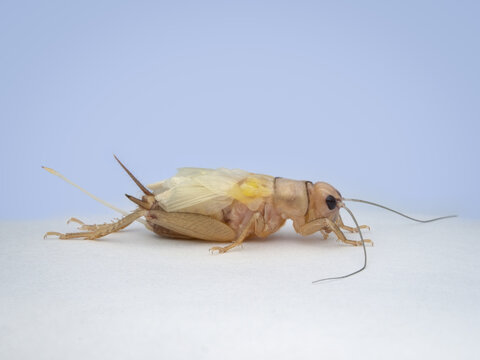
x,y
189,225
97,231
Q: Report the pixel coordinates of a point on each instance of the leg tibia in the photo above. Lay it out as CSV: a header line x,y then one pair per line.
x,y
326,225
341,225
97,231
239,240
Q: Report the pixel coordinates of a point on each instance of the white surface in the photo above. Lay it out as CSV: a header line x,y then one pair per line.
x,y
134,295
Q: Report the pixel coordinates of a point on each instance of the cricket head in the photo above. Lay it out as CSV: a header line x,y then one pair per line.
x,y
325,201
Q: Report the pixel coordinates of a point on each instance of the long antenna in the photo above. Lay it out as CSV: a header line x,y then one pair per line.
x,y
364,253
399,213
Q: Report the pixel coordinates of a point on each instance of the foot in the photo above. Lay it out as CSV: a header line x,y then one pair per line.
x,y
87,235
356,242
223,249
354,229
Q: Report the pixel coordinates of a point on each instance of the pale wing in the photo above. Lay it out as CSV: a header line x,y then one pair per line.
x,y
208,191
187,172
205,190
209,177
183,197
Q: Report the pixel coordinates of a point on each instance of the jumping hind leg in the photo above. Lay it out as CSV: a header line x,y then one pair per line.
x,y
97,231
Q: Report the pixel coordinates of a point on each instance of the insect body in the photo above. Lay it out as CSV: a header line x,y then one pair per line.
x,y
229,206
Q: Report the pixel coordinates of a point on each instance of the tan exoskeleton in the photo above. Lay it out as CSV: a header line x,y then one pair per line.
x,y
229,206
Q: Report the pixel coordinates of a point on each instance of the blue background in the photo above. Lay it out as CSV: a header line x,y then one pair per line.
x,y
381,99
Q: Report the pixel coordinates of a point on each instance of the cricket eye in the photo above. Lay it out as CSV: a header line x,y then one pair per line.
x,y
331,202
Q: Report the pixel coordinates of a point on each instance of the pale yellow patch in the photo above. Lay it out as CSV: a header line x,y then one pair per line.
x,y
250,189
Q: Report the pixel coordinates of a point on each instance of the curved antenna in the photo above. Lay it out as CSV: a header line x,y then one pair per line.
x,y
399,213
364,253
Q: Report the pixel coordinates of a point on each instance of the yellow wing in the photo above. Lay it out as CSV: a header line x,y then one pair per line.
x,y
208,191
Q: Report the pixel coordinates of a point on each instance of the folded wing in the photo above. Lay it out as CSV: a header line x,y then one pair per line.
x,y
208,191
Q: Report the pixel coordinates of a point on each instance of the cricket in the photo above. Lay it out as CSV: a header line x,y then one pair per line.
x,y
231,206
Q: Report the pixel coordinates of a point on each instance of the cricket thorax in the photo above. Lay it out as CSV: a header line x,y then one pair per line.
x,y
290,197
269,219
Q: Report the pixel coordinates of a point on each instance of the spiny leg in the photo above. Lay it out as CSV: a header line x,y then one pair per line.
x,y
341,236
92,227
341,225
323,225
98,231
243,235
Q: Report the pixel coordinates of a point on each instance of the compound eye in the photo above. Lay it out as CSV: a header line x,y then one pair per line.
x,y
331,202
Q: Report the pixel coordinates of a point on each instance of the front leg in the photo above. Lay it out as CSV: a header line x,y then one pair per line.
x,y
325,224
341,225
